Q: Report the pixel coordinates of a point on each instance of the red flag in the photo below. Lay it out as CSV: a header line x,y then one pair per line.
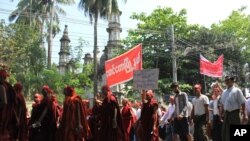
x,y
121,68
211,69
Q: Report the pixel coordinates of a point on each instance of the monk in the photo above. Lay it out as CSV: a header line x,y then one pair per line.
x,y
8,118
111,122
21,111
149,117
37,99
57,109
43,121
73,126
127,118
94,120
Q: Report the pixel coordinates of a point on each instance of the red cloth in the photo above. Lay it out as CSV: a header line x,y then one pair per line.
x,y
94,122
127,120
47,130
23,121
107,132
148,118
69,129
8,120
4,73
57,109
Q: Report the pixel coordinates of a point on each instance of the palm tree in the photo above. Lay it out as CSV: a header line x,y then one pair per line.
x,y
37,13
98,9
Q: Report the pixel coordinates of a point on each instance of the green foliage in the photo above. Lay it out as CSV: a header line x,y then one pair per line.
x,y
164,86
230,37
20,50
237,51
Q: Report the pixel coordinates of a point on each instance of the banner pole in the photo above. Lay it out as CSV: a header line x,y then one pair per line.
x,y
205,84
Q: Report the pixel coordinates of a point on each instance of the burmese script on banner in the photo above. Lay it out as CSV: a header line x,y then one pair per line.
x,y
121,68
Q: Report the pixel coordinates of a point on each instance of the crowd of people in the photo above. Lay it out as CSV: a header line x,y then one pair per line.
x,y
202,119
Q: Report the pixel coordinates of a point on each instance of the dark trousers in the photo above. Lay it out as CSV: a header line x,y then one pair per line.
x,y
216,129
230,118
169,132
132,134
200,129
181,128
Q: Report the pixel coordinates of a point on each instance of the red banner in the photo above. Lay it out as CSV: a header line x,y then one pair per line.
x,y
121,68
211,69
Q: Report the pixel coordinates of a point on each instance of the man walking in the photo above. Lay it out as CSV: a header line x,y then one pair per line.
x,y
181,113
200,114
73,126
232,101
111,128
149,117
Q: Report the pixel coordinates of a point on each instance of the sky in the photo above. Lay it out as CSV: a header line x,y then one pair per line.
x,y
202,12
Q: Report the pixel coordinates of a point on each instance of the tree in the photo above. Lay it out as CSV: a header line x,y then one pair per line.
x,y
37,13
20,50
98,9
152,32
236,39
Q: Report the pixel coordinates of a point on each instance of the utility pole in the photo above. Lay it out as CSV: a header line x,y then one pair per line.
x,y
30,11
173,47
50,34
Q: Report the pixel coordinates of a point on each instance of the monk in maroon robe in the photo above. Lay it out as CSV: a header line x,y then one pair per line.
x,y
57,109
127,118
95,120
37,99
73,126
111,121
21,111
149,117
8,117
43,121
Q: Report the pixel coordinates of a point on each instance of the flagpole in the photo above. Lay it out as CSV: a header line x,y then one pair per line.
x,y
205,85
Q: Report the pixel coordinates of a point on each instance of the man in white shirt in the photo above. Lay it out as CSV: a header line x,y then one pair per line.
x,y
166,119
200,114
232,101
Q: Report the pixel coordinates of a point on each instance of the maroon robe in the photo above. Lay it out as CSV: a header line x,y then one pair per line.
x,y
94,122
8,117
22,116
68,129
107,132
148,118
47,130
127,120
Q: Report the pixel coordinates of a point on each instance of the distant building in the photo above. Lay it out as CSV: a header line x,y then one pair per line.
x,y
114,43
111,50
114,29
88,59
65,63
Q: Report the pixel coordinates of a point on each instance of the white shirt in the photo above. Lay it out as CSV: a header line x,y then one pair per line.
x,y
198,103
184,109
159,112
189,107
248,106
134,112
232,98
215,104
138,113
168,114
